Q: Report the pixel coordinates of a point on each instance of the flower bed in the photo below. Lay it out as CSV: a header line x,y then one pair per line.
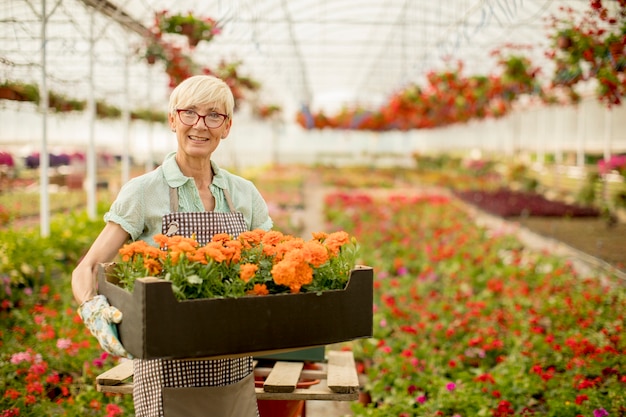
x,y
509,203
468,322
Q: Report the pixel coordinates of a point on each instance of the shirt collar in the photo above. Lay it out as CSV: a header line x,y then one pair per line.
x,y
175,178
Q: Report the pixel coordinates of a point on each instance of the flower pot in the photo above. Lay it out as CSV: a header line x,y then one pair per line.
x,y
7,93
284,408
187,29
564,42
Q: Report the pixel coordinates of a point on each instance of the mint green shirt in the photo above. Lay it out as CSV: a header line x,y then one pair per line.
x,y
142,201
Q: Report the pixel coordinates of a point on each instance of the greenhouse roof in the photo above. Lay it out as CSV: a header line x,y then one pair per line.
x,y
320,53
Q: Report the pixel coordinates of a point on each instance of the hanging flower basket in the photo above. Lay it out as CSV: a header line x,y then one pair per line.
x,y
155,51
19,91
194,28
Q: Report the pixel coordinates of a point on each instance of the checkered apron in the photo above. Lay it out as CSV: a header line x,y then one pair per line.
x,y
189,387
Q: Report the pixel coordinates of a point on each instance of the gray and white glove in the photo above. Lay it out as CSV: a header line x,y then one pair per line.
x,y
100,318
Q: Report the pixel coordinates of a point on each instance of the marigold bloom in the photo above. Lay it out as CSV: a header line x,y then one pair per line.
x,y
213,252
221,237
320,236
336,240
251,238
153,266
259,289
292,272
315,253
272,237
247,271
287,246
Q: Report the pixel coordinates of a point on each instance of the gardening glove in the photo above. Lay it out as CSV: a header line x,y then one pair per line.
x,y
100,318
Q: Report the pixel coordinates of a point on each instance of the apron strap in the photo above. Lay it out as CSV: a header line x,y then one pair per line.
x,y
231,207
174,200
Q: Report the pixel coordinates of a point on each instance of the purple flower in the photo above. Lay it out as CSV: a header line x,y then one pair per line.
x,y
600,412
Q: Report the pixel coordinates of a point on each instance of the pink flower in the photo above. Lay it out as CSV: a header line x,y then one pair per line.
x,y
421,399
64,344
450,386
20,357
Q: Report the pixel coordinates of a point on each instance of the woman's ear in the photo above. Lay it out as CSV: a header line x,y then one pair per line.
x,y
172,121
226,131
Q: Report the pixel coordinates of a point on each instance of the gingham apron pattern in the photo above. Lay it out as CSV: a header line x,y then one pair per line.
x,y
195,223
151,376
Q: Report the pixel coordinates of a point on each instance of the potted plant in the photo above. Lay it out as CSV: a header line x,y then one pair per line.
x,y
19,91
194,28
62,103
148,115
107,111
155,50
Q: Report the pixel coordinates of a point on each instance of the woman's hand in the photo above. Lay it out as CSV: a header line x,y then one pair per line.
x,y
100,318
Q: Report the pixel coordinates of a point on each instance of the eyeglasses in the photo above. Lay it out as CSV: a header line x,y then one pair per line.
x,y
212,120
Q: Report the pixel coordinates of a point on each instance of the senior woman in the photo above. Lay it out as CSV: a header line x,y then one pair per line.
x,y
187,195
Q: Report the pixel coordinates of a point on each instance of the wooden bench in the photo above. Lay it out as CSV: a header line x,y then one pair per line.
x,y
339,377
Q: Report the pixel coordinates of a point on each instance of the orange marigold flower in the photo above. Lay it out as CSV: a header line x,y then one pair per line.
x,y
153,266
319,236
129,250
315,253
236,246
336,240
213,250
197,256
251,238
288,246
292,271
161,239
185,246
259,289
220,237
273,237
247,271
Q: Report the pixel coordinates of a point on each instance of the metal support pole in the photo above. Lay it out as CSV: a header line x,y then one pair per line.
x,y
126,117
44,160
91,152
580,133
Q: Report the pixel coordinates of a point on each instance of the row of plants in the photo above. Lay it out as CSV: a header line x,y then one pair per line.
x,y
584,46
512,203
21,91
468,322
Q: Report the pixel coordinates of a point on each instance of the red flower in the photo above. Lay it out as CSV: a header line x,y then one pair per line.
x,y
113,410
581,399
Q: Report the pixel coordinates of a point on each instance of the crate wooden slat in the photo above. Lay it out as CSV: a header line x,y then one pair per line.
x,y
339,380
342,375
284,377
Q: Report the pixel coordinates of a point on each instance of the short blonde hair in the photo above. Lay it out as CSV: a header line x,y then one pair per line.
x,y
202,90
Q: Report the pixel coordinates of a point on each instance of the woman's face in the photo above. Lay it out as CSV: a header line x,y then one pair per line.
x,y
198,140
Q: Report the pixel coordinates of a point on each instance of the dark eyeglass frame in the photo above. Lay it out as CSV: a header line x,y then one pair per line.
x,y
224,117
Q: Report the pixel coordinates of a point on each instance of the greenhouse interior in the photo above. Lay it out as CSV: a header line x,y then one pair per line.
x,y
466,156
